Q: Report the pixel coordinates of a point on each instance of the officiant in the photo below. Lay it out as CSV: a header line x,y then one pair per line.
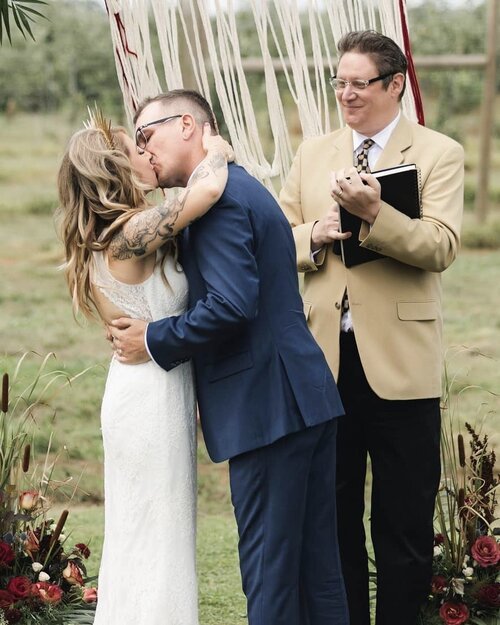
x,y
379,321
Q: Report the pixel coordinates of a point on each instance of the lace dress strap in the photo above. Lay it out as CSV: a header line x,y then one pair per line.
x,y
129,298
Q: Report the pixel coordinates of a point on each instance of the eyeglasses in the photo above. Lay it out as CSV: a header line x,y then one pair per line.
x,y
141,141
339,84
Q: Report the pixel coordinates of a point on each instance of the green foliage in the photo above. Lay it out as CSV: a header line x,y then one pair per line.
x,y
71,65
482,236
32,543
437,30
21,14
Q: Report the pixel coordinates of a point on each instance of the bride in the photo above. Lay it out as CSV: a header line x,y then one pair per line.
x,y
120,260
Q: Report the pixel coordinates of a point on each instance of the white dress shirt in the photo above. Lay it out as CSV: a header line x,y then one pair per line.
x,y
380,141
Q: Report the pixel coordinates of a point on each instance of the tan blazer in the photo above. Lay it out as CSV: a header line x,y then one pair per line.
x,y
396,301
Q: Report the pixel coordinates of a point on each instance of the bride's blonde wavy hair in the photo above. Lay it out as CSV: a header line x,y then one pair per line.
x,y
98,193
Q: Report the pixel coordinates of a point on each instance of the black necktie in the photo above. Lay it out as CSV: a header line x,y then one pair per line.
x,y
362,157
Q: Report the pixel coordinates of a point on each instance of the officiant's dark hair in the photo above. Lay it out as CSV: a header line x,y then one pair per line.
x,y
384,52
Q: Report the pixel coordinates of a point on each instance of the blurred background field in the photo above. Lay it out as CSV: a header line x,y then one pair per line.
x,y
44,90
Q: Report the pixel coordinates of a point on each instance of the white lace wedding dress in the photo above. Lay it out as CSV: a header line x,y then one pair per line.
x,y
148,572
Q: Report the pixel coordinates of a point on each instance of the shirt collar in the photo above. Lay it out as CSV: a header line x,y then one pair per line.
x,y
380,139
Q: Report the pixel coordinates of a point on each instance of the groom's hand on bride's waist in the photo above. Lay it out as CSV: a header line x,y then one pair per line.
x,y
127,338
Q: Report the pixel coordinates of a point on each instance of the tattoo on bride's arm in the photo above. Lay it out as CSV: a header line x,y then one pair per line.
x,y
154,223
199,174
217,161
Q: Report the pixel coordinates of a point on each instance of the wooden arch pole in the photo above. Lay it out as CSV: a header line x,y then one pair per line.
x,y
488,106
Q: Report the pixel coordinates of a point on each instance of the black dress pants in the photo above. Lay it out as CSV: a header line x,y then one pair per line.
x,y
402,439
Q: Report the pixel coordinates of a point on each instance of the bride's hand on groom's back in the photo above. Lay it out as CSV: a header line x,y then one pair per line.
x,y
128,339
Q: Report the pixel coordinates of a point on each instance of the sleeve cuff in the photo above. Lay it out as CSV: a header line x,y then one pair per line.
x,y
147,346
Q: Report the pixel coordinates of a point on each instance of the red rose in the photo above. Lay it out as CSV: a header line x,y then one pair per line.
x,y
490,595
89,595
48,593
83,549
438,539
13,615
6,554
486,551
438,584
20,587
6,599
454,613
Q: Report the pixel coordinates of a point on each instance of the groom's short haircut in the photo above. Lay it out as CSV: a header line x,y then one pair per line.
x,y
188,101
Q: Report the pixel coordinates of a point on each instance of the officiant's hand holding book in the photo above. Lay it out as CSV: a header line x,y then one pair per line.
x,y
399,187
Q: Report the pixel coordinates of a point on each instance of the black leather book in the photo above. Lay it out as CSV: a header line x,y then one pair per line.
x,y
400,187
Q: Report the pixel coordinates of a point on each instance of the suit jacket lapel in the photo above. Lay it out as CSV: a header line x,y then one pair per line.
x,y
400,140
341,150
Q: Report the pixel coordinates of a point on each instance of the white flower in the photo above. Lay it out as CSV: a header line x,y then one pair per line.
x,y
43,577
438,550
37,567
457,585
62,537
466,561
468,572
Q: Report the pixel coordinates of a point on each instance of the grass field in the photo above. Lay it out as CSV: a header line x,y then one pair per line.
x,y
36,317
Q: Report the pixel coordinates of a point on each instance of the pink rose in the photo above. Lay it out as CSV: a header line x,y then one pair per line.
x,y
31,544
489,595
48,593
453,613
90,595
72,574
486,551
7,555
28,499
19,587
438,584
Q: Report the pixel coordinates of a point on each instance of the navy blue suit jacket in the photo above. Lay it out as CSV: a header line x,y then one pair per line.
x,y
259,372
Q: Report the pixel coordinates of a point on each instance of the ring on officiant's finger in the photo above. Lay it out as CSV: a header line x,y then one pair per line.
x,y
341,190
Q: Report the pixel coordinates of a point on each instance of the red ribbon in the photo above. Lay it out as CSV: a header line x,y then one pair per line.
x,y
127,85
412,74
125,47
123,35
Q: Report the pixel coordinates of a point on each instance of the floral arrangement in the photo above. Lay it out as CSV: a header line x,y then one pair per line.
x,y
43,578
465,587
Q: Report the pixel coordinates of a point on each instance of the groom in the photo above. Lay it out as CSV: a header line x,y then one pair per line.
x,y
267,400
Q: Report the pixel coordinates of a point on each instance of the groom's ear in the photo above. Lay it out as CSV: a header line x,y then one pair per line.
x,y
188,126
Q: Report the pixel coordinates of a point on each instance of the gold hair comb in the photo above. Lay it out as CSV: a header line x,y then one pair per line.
x,y
97,121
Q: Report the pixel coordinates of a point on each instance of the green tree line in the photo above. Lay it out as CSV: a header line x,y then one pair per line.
x,y
72,63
